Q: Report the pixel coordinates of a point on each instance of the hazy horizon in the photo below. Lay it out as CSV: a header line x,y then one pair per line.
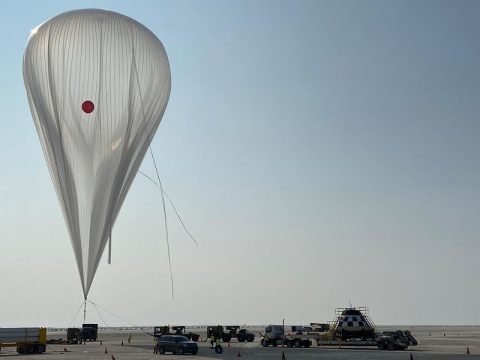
x,y
322,152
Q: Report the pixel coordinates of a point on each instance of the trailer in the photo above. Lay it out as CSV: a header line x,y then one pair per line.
x,y
27,340
89,332
354,327
398,340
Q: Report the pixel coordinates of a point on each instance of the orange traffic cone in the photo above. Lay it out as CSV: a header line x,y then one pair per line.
x,y
106,352
283,355
238,355
468,351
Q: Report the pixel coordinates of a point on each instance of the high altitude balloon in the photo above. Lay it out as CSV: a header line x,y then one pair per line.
x,y
98,84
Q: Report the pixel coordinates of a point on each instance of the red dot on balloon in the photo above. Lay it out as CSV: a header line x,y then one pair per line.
x,y
88,106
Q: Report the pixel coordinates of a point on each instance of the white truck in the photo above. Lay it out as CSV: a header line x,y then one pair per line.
x,y
275,335
27,340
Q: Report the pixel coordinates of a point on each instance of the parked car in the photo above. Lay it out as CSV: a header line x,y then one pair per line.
x,y
176,344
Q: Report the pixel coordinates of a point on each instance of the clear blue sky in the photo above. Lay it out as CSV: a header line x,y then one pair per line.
x,y
321,151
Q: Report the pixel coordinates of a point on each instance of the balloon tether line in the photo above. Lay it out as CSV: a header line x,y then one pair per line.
x,y
76,312
165,218
173,206
134,64
97,307
100,315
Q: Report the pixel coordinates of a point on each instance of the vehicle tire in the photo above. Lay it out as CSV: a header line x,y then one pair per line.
x,y
195,337
226,338
40,349
161,350
180,351
297,343
274,344
21,350
250,338
194,352
391,346
30,349
289,344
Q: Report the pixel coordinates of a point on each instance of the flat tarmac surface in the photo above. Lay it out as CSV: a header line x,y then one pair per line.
x,y
435,342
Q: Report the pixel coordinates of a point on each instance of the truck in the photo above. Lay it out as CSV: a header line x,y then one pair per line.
x,y
242,335
74,336
217,332
299,336
27,340
89,332
230,332
275,335
178,330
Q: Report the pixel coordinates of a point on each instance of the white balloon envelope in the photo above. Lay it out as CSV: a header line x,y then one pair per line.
x,y
97,83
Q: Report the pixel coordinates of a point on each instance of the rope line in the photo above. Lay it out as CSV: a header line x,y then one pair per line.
x,y
134,64
173,206
100,316
113,314
164,218
76,313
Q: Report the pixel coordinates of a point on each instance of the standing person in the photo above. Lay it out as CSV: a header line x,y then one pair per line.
x,y
212,341
218,347
155,345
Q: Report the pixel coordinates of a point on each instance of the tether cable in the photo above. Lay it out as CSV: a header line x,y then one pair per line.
x,y
116,316
134,65
173,206
76,313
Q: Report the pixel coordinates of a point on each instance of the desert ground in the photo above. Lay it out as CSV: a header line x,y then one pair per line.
x,y
435,342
